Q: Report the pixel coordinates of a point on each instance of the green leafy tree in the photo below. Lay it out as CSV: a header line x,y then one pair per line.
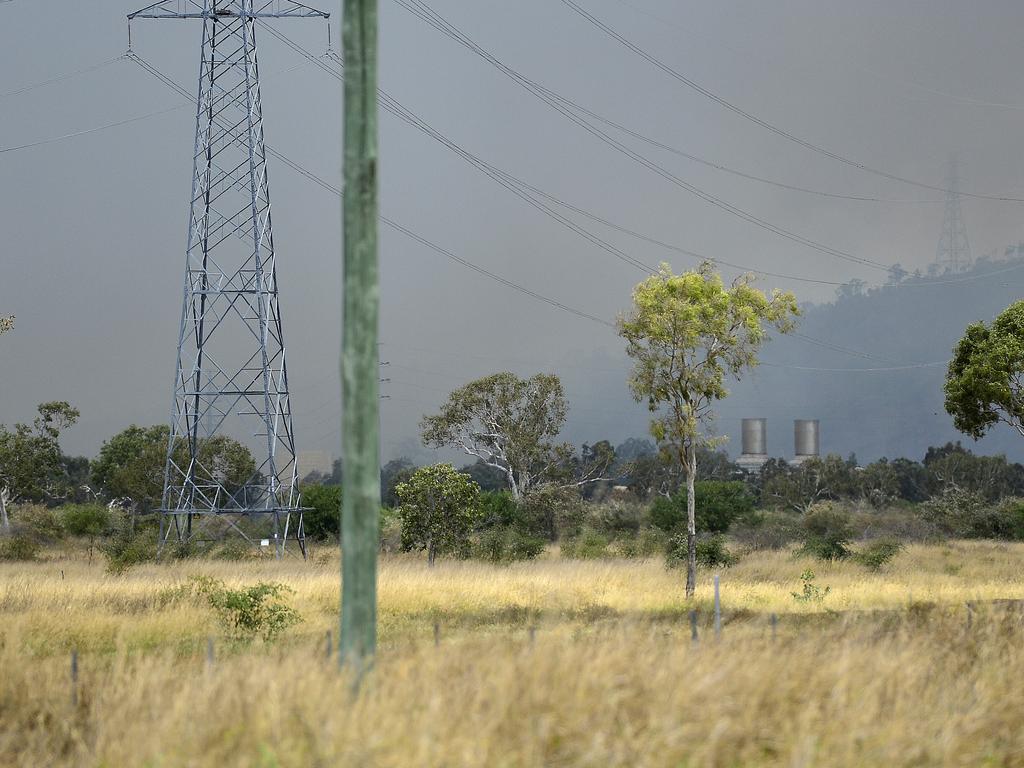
x,y
440,507
686,333
130,465
508,423
322,521
985,378
31,462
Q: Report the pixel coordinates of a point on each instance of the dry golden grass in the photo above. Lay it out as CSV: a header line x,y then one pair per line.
x,y
883,671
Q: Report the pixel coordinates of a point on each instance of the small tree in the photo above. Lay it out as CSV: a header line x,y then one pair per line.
x,y
440,506
686,333
31,462
985,378
508,423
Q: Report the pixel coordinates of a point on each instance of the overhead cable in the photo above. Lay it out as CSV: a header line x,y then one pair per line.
x,y
675,74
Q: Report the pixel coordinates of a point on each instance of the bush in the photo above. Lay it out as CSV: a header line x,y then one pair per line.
x,y
878,553
506,544
133,542
616,518
811,592
770,529
648,543
589,545
553,512
390,531
257,611
499,508
322,519
19,548
719,504
967,515
90,520
38,523
234,550
711,551
826,532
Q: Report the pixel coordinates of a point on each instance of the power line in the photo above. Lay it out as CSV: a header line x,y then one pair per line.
x,y
391,222
424,12
87,131
60,78
675,74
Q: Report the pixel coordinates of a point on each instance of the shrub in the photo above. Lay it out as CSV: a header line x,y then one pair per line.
x,y
90,520
616,518
711,551
878,553
390,531
506,544
811,592
499,508
132,543
966,514
20,548
589,545
770,529
826,532
553,512
719,504
648,543
38,523
322,519
260,610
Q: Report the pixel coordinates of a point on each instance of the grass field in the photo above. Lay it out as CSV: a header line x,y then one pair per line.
x,y
555,662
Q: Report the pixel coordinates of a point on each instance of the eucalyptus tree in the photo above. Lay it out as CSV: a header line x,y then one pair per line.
x,y
686,334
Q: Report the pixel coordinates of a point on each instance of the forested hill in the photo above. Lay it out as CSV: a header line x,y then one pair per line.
x,y
874,413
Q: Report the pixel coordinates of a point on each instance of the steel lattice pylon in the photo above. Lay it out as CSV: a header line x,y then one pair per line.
x,y
953,253
231,379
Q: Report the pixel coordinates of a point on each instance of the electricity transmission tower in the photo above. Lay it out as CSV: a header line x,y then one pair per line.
x,y
231,380
954,252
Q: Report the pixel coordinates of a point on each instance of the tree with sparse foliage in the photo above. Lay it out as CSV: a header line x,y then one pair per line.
x,y
6,324
440,507
985,378
31,461
686,333
508,423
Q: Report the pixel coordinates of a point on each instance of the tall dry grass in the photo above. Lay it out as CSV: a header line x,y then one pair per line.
x,y
883,671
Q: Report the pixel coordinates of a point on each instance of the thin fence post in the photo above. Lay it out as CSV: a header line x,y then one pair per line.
x,y
437,634
718,611
970,616
209,652
533,634
330,649
775,623
74,677
693,627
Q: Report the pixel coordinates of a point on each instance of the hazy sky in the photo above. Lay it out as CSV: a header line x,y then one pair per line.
x,y
94,226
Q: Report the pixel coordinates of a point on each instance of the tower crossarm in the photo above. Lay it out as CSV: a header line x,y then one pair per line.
x,y
211,9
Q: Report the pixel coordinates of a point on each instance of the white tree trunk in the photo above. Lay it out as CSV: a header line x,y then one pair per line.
x,y
5,494
691,522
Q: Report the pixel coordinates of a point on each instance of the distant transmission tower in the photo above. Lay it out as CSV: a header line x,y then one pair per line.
x,y
231,379
954,251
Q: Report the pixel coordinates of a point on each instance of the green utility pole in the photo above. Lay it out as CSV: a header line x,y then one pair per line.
x,y
360,433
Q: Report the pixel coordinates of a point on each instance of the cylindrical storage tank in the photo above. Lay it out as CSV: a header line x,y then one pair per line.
x,y
755,437
805,437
